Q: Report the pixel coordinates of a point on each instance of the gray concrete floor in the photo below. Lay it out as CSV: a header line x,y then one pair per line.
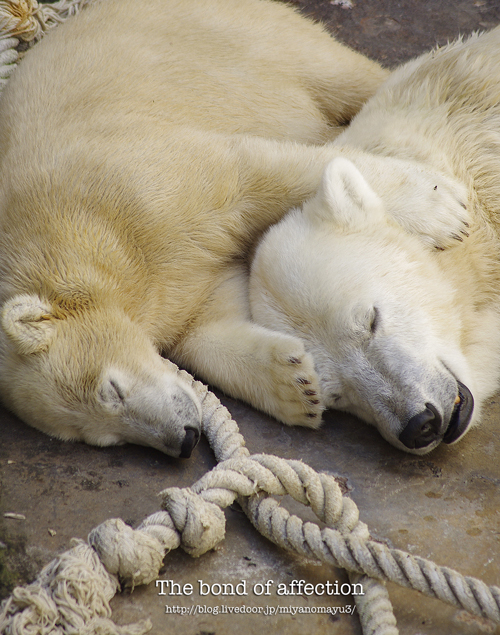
x,y
444,506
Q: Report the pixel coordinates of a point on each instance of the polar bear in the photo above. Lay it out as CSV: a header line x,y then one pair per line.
x,y
144,148
402,335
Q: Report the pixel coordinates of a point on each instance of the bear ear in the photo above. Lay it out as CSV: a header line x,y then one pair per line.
x,y
345,198
28,321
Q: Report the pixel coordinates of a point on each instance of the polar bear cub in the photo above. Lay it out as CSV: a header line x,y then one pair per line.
x,y
128,194
403,335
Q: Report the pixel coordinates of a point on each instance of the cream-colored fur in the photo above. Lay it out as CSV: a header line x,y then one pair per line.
x,y
397,330
145,146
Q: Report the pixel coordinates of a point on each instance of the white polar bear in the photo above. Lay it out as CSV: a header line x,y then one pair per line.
x,y
144,148
404,336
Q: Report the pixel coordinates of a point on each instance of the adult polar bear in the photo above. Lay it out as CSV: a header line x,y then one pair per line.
x,y
144,147
403,336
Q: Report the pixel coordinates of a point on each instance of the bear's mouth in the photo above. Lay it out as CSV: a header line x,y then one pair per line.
x,y
461,416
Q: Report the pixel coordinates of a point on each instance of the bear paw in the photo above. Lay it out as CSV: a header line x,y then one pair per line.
x,y
434,207
296,390
448,220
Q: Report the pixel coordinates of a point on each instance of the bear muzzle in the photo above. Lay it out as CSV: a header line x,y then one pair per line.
x,y
190,442
425,428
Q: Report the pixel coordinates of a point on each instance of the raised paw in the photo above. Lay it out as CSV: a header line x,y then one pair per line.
x,y
428,203
294,383
447,217
435,208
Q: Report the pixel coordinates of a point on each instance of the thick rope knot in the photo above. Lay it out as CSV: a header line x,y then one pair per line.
x,y
28,20
133,556
200,523
17,18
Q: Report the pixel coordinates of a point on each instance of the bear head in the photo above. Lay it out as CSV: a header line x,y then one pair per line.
x,y
373,307
92,375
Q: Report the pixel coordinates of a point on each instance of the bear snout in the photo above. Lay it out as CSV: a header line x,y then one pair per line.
x,y
190,442
423,429
183,424
426,427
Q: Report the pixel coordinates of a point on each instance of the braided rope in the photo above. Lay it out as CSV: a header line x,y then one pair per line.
x,y
68,588
71,594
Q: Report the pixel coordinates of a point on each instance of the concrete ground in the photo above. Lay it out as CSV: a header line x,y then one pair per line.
x,y
443,506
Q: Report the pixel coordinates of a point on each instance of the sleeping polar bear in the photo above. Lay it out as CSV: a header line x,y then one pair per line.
x,y
402,335
145,145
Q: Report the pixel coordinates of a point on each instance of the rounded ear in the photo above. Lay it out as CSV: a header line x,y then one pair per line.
x,y
345,198
28,321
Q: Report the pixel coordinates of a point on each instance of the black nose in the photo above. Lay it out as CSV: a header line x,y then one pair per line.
x,y
422,429
190,440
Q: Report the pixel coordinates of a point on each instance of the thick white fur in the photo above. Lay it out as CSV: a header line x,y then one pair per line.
x,y
144,147
391,323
